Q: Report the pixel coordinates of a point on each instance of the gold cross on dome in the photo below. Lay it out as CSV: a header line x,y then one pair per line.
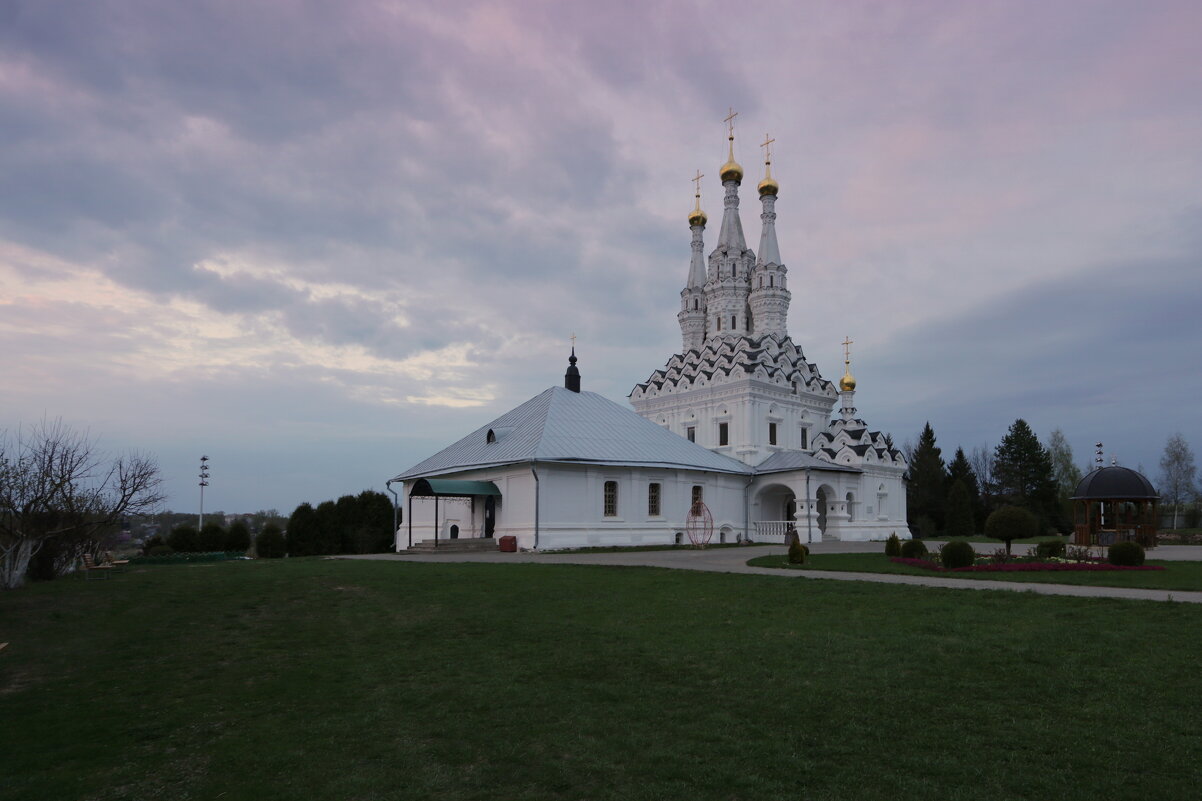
x,y
697,182
847,343
730,121
573,338
767,145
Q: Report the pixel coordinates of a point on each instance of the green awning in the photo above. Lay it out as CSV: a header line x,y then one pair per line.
x,y
442,487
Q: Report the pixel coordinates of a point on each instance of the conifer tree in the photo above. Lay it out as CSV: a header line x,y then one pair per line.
x,y
1023,474
959,511
926,486
960,469
303,534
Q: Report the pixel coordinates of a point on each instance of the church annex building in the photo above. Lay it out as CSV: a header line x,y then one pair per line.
x,y
739,421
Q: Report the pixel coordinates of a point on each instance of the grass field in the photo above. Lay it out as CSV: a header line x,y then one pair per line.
x,y
1175,576
325,679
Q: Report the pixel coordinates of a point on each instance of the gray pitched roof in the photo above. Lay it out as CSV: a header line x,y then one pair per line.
x,y
559,425
781,461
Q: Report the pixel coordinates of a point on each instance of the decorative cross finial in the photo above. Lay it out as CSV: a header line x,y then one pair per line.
x,y
847,343
767,145
697,182
573,338
730,122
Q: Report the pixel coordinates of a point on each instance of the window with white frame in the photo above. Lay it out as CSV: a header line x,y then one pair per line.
x,y
653,499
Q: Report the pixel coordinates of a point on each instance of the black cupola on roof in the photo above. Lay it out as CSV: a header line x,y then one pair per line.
x,y
1115,482
571,379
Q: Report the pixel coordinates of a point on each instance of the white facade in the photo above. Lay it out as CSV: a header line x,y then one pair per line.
x,y
571,506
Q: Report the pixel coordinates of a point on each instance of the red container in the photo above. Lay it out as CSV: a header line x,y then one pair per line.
x,y
509,544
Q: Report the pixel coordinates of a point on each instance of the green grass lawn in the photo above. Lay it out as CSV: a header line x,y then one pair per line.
x,y
1175,576
327,679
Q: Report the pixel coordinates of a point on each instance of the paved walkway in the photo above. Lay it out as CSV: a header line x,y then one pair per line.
x,y
734,560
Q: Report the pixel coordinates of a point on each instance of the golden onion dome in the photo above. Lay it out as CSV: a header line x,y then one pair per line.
x,y
847,383
731,171
697,217
769,186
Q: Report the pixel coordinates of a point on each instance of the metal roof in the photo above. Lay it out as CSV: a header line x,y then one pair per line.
x,y
1115,482
452,488
781,461
559,425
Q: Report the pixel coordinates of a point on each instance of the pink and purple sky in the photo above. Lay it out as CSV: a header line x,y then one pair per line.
x,y
319,241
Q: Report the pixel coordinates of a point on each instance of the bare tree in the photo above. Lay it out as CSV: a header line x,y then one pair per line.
x,y
1177,473
981,460
56,487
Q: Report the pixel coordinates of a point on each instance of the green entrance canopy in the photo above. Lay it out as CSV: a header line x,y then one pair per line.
x,y
443,487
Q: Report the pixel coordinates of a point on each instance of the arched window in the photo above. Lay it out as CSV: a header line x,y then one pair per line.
x,y
851,505
734,322
694,304
611,499
698,493
761,282
719,323
771,281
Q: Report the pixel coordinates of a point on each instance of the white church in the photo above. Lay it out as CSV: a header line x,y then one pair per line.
x,y
737,425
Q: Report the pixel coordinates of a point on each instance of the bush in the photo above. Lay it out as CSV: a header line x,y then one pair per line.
x,y
798,554
957,553
237,537
159,550
1050,550
1130,554
212,538
270,542
893,545
184,539
1011,523
913,549
154,542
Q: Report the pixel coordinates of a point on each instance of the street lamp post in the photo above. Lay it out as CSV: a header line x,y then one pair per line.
x,y
204,482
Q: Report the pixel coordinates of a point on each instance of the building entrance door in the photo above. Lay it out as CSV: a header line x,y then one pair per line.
x,y
490,515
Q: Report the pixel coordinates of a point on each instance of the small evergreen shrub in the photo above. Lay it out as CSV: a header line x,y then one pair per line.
x,y
154,541
957,553
913,549
893,545
159,550
798,554
1130,554
211,538
1050,550
270,542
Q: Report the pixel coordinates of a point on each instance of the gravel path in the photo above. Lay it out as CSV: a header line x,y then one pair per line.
x,y
734,560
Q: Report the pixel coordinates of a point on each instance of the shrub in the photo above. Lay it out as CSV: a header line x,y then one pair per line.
x,y
798,554
152,542
212,538
957,553
1050,550
237,537
893,545
270,542
184,539
1011,523
913,549
159,550
1130,554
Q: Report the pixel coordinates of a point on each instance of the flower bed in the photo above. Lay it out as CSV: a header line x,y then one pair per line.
x,y
1015,567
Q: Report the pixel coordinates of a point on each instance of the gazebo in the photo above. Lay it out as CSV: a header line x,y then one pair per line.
x,y
1115,504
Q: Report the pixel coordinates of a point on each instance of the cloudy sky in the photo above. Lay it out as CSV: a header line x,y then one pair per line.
x,y
318,241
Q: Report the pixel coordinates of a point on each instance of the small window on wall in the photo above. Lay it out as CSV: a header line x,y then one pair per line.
x,y
805,438
698,493
611,499
772,433
734,321
691,433
653,499
723,433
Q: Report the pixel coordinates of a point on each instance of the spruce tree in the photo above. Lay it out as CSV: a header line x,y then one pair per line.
x,y
926,489
1023,473
303,536
960,469
959,511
